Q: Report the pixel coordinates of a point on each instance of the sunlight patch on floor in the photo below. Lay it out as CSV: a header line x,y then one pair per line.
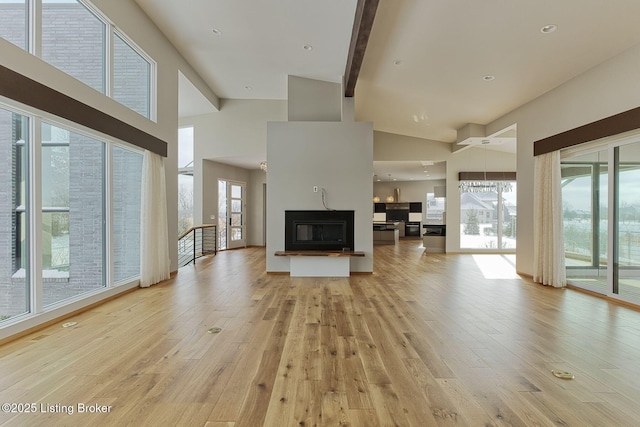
x,y
496,266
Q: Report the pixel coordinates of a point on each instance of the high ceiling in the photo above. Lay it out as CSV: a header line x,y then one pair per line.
x,y
424,70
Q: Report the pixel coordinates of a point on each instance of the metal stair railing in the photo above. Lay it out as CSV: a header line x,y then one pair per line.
x,y
197,242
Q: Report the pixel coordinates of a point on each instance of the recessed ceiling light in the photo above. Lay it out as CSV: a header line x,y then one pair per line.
x,y
551,28
307,47
488,78
247,87
216,31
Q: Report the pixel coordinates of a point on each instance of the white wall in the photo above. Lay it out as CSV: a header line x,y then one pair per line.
x,y
256,193
326,96
603,91
336,156
239,129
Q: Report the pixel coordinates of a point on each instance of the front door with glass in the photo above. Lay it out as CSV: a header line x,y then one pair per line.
x,y
231,214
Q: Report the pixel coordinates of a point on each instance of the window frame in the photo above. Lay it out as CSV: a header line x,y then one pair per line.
x,y
33,45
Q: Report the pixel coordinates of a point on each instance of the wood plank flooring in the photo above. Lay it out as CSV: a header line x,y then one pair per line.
x,y
427,340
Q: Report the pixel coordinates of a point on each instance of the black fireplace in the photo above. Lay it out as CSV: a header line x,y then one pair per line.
x,y
318,230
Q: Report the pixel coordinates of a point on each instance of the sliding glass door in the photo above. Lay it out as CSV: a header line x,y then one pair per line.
x,y
626,274
601,214
584,207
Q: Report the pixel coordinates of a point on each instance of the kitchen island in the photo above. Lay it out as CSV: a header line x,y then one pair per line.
x,y
386,232
434,238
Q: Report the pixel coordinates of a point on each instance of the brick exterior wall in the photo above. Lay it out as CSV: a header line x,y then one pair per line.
x,y
13,18
73,41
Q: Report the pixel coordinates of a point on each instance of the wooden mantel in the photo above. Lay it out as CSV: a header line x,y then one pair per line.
x,y
320,253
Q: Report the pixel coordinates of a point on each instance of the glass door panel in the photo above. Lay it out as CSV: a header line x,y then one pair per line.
x,y
584,199
231,214
236,232
627,268
222,214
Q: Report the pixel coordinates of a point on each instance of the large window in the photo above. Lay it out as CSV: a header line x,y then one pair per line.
x,y
87,200
435,208
488,215
76,38
14,215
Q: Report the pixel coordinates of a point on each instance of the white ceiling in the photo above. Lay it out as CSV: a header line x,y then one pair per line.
x,y
408,171
423,71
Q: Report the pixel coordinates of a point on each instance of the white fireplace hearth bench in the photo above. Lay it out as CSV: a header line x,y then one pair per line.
x,y
317,263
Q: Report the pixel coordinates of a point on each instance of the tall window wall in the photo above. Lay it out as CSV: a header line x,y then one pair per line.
x,y
601,215
87,197
76,38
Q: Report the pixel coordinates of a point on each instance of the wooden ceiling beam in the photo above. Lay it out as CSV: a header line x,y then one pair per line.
x,y
362,24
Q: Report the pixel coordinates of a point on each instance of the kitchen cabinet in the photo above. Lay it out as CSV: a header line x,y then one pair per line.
x,y
379,207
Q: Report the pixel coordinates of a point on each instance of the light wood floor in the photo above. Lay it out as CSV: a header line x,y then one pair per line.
x,y
427,340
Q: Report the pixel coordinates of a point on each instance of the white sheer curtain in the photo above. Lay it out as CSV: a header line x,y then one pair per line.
x,y
154,238
548,231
